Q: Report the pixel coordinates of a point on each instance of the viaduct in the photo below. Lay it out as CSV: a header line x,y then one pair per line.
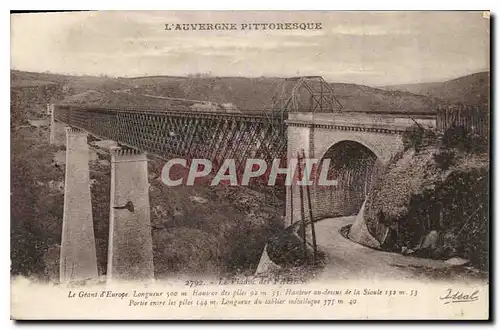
x,y
305,118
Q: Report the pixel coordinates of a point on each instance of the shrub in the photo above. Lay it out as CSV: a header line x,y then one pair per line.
x,y
444,159
416,137
413,137
286,249
456,137
186,251
468,215
478,144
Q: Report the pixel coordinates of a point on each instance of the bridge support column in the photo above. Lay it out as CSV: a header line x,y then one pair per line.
x,y
57,133
130,250
300,141
78,252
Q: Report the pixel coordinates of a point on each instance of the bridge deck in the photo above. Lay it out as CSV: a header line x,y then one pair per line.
x,y
169,133
218,135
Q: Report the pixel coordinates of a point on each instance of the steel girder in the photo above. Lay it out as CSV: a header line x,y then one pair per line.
x,y
180,134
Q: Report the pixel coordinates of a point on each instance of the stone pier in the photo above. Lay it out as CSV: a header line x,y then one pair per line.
x,y
130,251
78,252
57,130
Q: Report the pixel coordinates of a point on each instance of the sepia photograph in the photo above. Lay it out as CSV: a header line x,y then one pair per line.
x,y
250,165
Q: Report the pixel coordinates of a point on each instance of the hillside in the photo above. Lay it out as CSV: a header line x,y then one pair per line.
x,y
197,230
473,89
433,199
71,84
246,94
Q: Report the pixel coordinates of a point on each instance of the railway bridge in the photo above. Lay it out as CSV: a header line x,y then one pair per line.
x,y
304,118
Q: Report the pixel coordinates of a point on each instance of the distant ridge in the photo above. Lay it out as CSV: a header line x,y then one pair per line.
x,y
473,89
245,94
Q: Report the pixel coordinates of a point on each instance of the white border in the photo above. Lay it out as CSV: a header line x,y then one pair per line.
x,y
258,5
190,5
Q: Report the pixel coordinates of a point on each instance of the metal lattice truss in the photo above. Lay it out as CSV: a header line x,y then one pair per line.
x,y
304,94
300,94
181,134
205,134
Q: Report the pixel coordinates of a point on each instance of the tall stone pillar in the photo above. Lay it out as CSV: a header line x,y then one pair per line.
x,y
57,133
130,250
50,111
299,142
78,252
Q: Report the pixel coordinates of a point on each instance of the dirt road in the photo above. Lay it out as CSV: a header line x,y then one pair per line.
x,y
348,260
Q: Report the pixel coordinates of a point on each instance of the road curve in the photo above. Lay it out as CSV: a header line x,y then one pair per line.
x,y
347,260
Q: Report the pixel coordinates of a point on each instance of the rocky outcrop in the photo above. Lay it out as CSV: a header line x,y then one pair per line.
x,y
266,265
359,231
423,207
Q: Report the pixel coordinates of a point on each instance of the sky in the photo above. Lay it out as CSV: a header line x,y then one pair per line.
x,y
370,48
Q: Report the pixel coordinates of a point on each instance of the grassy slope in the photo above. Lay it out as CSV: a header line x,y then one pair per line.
x,y
226,234
256,93
472,89
244,93
417,195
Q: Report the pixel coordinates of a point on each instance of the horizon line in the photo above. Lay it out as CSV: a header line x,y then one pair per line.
x,y
206,75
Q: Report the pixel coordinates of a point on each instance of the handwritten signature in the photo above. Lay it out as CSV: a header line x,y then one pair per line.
x,y
459,297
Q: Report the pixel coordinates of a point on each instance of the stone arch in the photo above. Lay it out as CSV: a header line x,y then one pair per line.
x,y
328,147
355,166
383,145
316,140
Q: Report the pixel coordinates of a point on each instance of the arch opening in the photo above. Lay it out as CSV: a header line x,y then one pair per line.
x,y
355,168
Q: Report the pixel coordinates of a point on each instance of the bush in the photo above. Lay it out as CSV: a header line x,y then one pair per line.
x,y
412,137
444,159
186,251
287,250
466,213
416,137
456,137
34,226
415,198
478,144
